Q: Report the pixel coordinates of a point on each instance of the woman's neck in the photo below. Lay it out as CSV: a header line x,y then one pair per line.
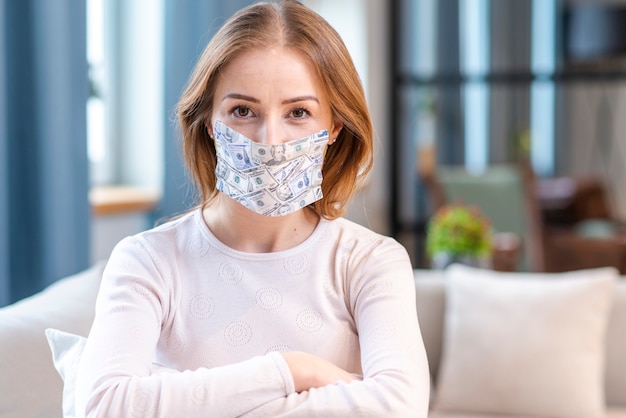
x,y
241,229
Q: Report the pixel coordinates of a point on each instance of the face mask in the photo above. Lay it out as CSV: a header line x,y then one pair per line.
x,y
271,180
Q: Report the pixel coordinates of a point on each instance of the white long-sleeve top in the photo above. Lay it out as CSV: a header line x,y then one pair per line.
x,y
188,327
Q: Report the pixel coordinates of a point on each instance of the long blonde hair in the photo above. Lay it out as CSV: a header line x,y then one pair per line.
x,y
290,24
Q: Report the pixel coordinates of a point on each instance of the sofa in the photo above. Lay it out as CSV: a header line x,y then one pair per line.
x,y
524,344
30,387
588,307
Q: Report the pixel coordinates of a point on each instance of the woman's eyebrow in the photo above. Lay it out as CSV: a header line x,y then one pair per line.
x,y
300,99
245,97
241,97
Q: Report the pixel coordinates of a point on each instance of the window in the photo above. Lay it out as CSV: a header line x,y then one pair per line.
x,y
486,71
97,145
543,90
474,51
126,118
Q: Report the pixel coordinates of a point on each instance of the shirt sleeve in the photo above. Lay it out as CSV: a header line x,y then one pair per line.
x,y
395,368
116,375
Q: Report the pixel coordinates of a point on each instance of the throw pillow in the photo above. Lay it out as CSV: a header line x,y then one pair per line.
x,y
67,350
525,344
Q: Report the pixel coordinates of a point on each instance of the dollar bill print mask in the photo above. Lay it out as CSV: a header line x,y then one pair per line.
x,y
272,180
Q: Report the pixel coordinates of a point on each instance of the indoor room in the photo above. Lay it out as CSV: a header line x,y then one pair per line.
x,y
495,194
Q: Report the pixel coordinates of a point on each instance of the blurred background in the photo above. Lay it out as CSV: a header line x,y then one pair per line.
x,y
512,103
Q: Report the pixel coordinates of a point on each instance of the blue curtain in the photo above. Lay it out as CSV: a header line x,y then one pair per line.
x,y
4,173
189,25
44,208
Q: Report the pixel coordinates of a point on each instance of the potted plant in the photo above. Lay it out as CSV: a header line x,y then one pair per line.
x,y
459,234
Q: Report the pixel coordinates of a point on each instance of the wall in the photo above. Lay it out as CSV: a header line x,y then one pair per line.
x,y
106,231
363,25
371,206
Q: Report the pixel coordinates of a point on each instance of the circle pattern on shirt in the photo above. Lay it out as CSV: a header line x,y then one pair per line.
x,y
278,348
382,331
346,250
230,273
268,298
380,288
204,361
309,320
143,292
237,334
330,291
200,393
199,247
176,342
143,403
201,306
296,265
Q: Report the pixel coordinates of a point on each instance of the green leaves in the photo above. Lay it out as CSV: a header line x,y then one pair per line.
x,y
459,230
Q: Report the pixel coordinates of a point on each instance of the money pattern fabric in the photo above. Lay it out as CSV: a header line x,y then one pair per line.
x,y
272,180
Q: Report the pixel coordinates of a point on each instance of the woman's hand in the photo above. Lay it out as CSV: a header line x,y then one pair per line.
x,y
311,371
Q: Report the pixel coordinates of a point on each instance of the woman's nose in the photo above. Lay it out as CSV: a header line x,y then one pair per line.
x,y
271,133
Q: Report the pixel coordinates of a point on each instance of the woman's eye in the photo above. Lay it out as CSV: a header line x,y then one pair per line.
x,y
299,113
242,111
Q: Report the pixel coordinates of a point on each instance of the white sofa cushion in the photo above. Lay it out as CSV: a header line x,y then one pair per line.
x,y
525,344
29,384
430,295
616,349
610,413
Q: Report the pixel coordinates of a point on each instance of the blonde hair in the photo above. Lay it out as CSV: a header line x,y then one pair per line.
x,y
289,24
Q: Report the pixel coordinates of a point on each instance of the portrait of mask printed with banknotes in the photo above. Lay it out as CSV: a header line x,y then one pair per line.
x,y
272,180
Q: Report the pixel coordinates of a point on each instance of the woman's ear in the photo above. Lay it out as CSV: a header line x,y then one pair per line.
x,y
209,128
336,127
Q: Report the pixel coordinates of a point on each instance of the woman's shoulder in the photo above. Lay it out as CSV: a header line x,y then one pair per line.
x,y
346,230
369,255
349,227
168,235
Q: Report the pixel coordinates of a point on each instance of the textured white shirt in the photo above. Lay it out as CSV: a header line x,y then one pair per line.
x,y
188,327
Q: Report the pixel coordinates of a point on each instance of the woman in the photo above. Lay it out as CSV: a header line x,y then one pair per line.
x,y
262,301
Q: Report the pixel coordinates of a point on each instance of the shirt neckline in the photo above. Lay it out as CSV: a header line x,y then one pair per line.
x,y
242,255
